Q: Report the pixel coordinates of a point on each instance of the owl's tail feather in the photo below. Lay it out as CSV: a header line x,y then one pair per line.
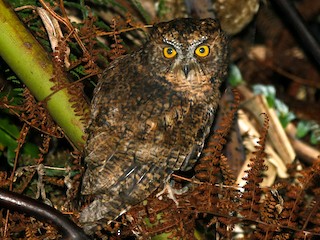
x,y
101,208
128,191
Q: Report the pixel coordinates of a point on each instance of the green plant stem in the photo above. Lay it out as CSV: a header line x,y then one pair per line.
x,y
34,67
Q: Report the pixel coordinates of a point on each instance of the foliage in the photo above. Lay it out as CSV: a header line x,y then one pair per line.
x,y
285,116
37,161
9,134
309,127
235,77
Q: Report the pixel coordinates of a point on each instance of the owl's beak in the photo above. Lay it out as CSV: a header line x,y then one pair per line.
x,y
186,70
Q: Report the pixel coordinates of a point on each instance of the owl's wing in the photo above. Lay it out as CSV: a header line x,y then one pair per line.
x,y
120,162
127,172
126,164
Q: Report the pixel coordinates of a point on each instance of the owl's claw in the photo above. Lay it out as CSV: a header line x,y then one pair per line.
x,y
171,192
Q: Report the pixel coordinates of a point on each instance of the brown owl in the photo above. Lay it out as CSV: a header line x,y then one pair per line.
x,y
151,113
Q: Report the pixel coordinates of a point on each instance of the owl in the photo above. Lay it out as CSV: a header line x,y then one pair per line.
x,y
151,113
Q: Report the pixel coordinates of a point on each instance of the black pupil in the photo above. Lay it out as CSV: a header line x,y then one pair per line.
x,y
201,50
170,51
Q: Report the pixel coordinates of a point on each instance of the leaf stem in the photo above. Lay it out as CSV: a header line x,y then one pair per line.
x,y
34,67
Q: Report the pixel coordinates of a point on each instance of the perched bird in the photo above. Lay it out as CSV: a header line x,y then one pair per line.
x,y
151,113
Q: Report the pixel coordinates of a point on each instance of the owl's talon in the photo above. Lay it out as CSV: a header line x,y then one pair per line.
x,y
171,192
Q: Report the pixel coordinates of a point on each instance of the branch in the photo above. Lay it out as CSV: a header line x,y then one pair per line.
x,y
34,67
43,212
296,23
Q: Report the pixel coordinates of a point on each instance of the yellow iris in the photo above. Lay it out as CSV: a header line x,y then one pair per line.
x,y
202,51
169,52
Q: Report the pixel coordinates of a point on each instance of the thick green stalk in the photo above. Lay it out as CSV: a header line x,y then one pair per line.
x,y
34,67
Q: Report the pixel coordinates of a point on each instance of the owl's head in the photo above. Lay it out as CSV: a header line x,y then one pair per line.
x,y
189,53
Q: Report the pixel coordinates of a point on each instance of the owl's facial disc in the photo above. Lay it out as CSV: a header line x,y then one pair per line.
x,y
185,58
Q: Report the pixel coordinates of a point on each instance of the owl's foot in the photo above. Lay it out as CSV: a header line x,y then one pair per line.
x,y
171,192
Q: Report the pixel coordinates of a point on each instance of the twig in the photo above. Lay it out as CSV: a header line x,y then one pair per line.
x,y
306,153
293,18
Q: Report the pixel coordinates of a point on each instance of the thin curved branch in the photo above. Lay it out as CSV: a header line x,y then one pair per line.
x,y
43,212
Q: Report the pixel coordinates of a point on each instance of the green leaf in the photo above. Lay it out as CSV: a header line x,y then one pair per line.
x,y
10,156
10,130
55,172
162,236
18,3
315,133
162,9
268,91
78,72
284,115
303,129
141,10
84,10
315,137
30,149
9,133
286,119
235,77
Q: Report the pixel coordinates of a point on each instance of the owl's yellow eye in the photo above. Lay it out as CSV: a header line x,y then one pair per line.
x,y
169,52
202,51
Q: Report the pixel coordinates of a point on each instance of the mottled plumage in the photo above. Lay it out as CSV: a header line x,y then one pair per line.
x,y
150,114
